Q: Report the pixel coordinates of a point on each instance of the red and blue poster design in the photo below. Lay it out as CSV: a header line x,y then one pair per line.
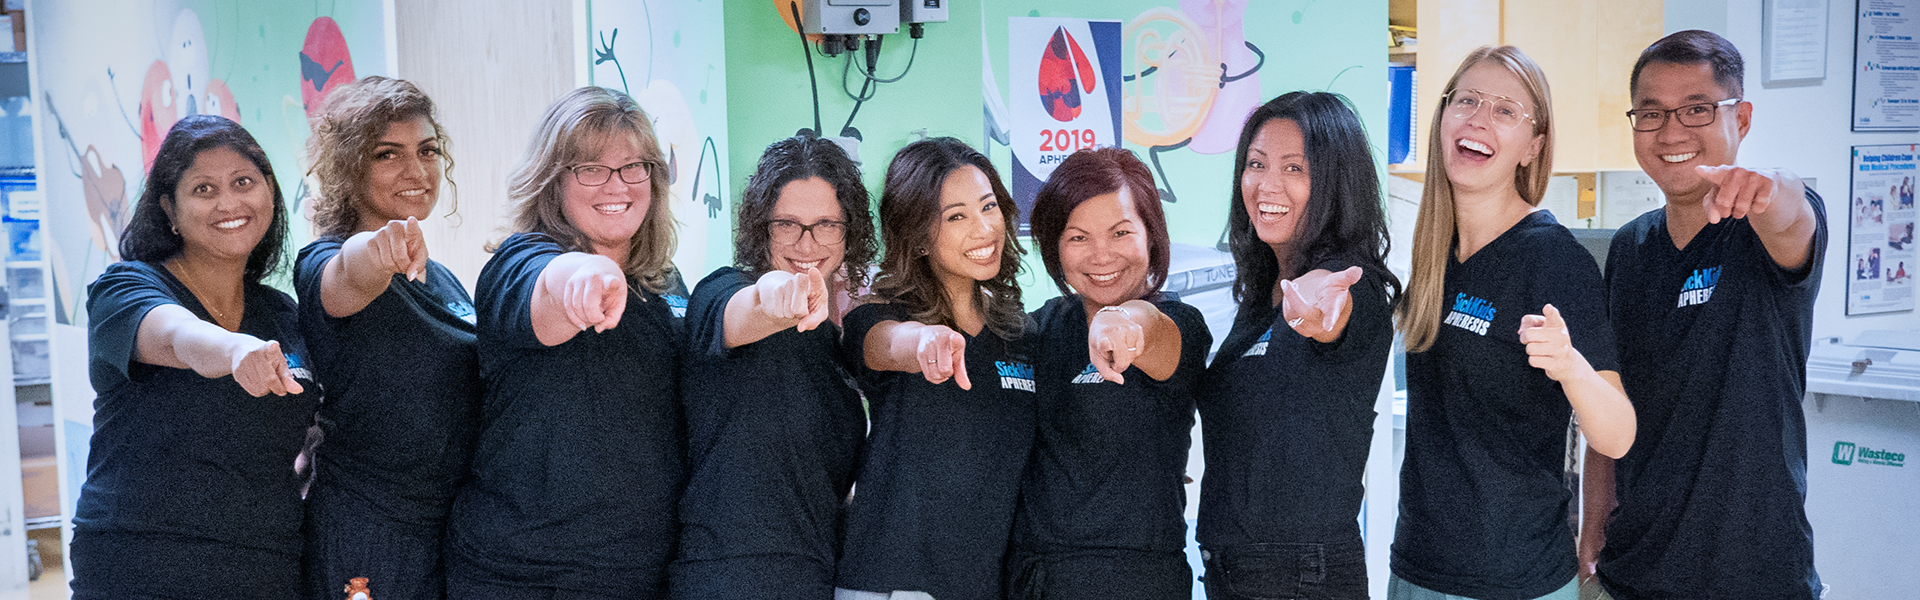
x,y
1064,81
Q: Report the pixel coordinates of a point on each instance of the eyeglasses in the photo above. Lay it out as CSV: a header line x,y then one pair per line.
x,y
1505,112
1691,115
597,175
824,232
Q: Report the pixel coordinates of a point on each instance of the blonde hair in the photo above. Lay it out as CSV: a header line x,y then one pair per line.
x,y
1434,232
341,149
575,128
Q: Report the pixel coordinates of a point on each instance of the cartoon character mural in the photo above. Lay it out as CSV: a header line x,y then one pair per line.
x,y
1192,79
685,121
176,80
180,86
325,64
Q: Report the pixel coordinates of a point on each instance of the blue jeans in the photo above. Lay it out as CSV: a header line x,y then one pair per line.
x,y
1305,571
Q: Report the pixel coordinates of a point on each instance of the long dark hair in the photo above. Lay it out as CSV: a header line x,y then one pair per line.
x,y
909,220
794,159
1343,220
1095,172
150,235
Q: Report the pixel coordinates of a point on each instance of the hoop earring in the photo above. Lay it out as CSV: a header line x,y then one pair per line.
x,y
175,228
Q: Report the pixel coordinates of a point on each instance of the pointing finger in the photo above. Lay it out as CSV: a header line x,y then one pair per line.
x,y
1553,318
959,361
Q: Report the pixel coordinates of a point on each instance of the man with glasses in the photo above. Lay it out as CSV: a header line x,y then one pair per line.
x,y
1711,298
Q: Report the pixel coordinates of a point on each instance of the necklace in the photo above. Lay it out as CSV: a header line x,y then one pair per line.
x,y
187,278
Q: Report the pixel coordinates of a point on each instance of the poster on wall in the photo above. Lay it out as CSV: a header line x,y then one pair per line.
x,y
1064,96
670,55
1880,217
1886,65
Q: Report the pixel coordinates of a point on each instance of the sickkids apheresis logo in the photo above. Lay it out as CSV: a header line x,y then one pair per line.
x,y
1699,287
1847,453
1014,375
1471,314
1089,375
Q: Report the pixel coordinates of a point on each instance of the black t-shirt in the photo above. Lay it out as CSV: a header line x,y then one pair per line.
x,y
1713,345
933,508
403,390
581,458
1108,460
177,454
774,431
1483,495
1288,422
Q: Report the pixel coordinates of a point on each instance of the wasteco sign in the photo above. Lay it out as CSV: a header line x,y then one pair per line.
x,y
1846,453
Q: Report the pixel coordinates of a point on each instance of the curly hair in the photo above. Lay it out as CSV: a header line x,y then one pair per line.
x,y
150,235
795,159
573,128
341,149
910,222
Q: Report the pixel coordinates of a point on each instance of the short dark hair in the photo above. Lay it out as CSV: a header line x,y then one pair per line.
x,y
150,235
1344,218
1090,173
795,159
1692,47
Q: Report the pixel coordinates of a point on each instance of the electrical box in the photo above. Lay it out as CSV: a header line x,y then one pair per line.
x,y
852,17
923,11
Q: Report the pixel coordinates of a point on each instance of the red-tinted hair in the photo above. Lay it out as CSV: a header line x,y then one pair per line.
x,y
1095,172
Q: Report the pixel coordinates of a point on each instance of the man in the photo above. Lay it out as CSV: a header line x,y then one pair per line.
x,y
1711,298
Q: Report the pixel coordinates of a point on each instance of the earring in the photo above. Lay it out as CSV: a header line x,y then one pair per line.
x,y
175,228
922,250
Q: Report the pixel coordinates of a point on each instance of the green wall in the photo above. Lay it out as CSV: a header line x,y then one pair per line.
x,y
1309,44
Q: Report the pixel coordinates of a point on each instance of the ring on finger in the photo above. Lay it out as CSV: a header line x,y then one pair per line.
x,y
1296,322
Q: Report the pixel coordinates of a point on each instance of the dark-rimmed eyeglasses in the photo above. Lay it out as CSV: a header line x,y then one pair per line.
x,y
825,233
1691,115
598,175
1505,112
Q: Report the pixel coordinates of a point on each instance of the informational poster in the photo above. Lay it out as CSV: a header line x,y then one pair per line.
x,y
1880,217
670,55
1886,66
1796,40
1064,96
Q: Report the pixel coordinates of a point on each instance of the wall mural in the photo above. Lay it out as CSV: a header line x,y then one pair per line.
x,y
669,56
106,107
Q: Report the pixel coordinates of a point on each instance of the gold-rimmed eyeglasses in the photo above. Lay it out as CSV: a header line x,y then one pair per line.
x,y
1505,112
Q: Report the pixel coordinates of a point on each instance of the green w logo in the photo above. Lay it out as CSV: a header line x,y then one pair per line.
x,y
1843,453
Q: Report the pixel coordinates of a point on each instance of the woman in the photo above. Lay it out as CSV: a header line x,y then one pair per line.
x,y
1483,504
1289,411
392,334
203,395
580,459
771,469
950,392
1117,362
